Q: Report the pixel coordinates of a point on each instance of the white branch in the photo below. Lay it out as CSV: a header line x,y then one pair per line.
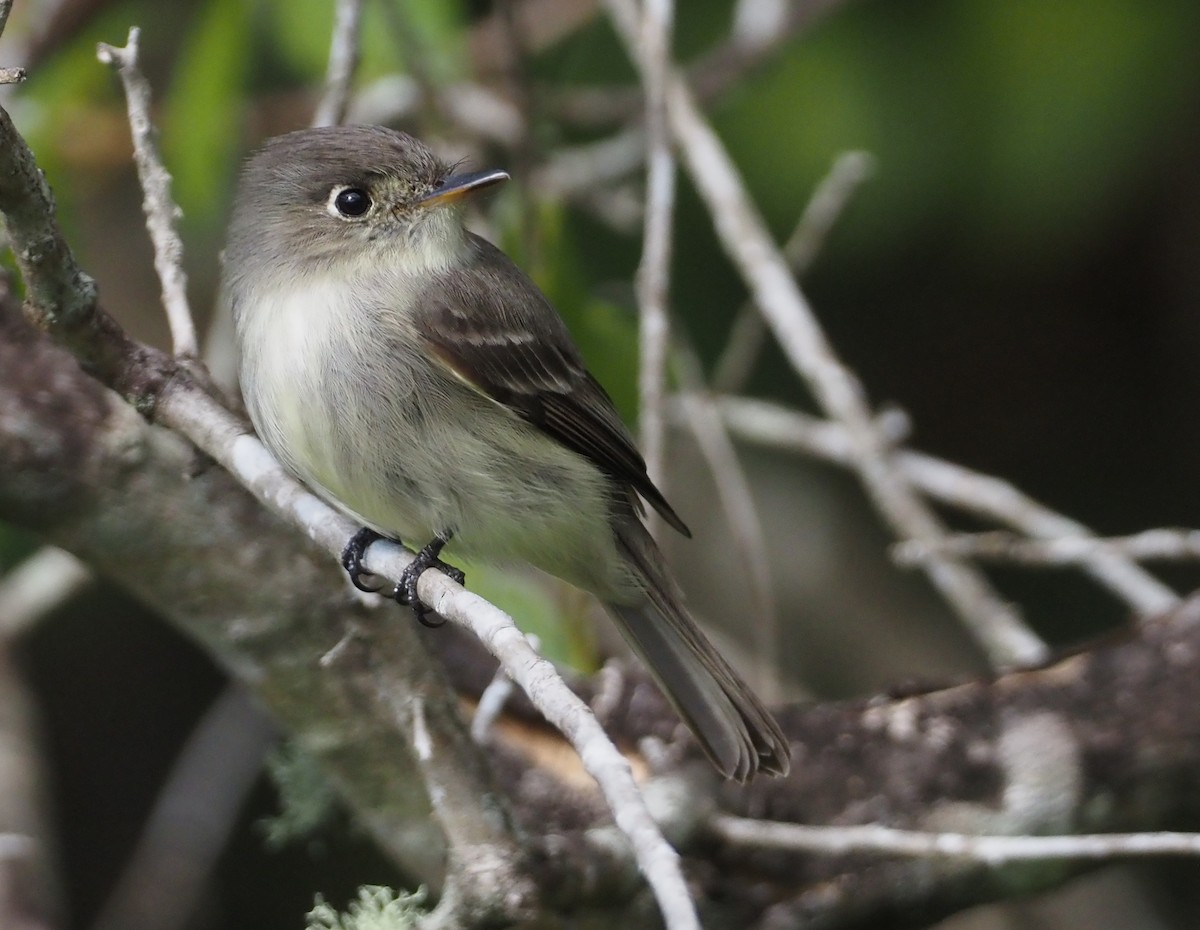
x,y
161,211
494,698
981,495
1151,545
991,849
38,586
653,276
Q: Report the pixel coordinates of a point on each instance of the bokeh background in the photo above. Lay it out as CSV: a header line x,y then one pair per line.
x,y
1020,274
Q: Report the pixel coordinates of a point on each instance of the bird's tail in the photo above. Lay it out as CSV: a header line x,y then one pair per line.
x,y
735,730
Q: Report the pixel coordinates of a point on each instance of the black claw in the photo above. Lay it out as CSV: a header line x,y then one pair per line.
x,y
352,557
406,590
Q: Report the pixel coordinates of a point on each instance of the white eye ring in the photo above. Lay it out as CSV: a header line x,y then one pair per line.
x,y
347,202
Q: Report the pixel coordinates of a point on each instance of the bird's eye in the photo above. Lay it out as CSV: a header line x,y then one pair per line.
x,y
350,201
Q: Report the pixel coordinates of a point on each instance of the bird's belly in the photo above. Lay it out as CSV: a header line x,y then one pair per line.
x,y
416,460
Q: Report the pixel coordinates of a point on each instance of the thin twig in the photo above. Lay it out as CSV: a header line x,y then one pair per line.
x,y
161,211
989,849
748,540
37,587
1151,545
5,9
982,495
996,625
12,75
824,208
653,275
343,61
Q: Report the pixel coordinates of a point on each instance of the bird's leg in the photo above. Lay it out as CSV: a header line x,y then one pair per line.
x,y
406,590
352,557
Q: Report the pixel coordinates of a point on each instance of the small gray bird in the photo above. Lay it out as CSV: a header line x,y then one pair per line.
x,y
411,375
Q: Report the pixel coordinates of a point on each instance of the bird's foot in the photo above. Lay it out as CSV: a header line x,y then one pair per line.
x,y
406,590
352,557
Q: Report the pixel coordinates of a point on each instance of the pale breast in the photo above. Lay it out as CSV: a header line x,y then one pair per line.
x,y
343,396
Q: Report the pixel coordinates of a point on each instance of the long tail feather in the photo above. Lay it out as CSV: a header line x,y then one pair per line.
x,y
735,730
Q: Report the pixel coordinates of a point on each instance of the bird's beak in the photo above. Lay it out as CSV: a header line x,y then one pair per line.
x,y
458,186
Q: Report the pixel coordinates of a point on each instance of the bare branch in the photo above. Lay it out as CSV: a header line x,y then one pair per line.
x,y
38,586
653,276
12,75
343,61
493,698
753,39
996,625
981,495
161,211
825,207
993,850
1150,545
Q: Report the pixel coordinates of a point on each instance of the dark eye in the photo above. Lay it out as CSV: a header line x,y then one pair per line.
x,y
352,201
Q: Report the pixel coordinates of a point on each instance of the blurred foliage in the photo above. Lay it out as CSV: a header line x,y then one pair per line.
x,y
203,105
1023,119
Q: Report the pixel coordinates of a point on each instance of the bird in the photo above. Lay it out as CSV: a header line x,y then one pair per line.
x,y
411,374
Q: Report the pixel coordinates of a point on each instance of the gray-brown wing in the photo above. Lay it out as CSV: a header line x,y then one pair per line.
x,y
494,330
